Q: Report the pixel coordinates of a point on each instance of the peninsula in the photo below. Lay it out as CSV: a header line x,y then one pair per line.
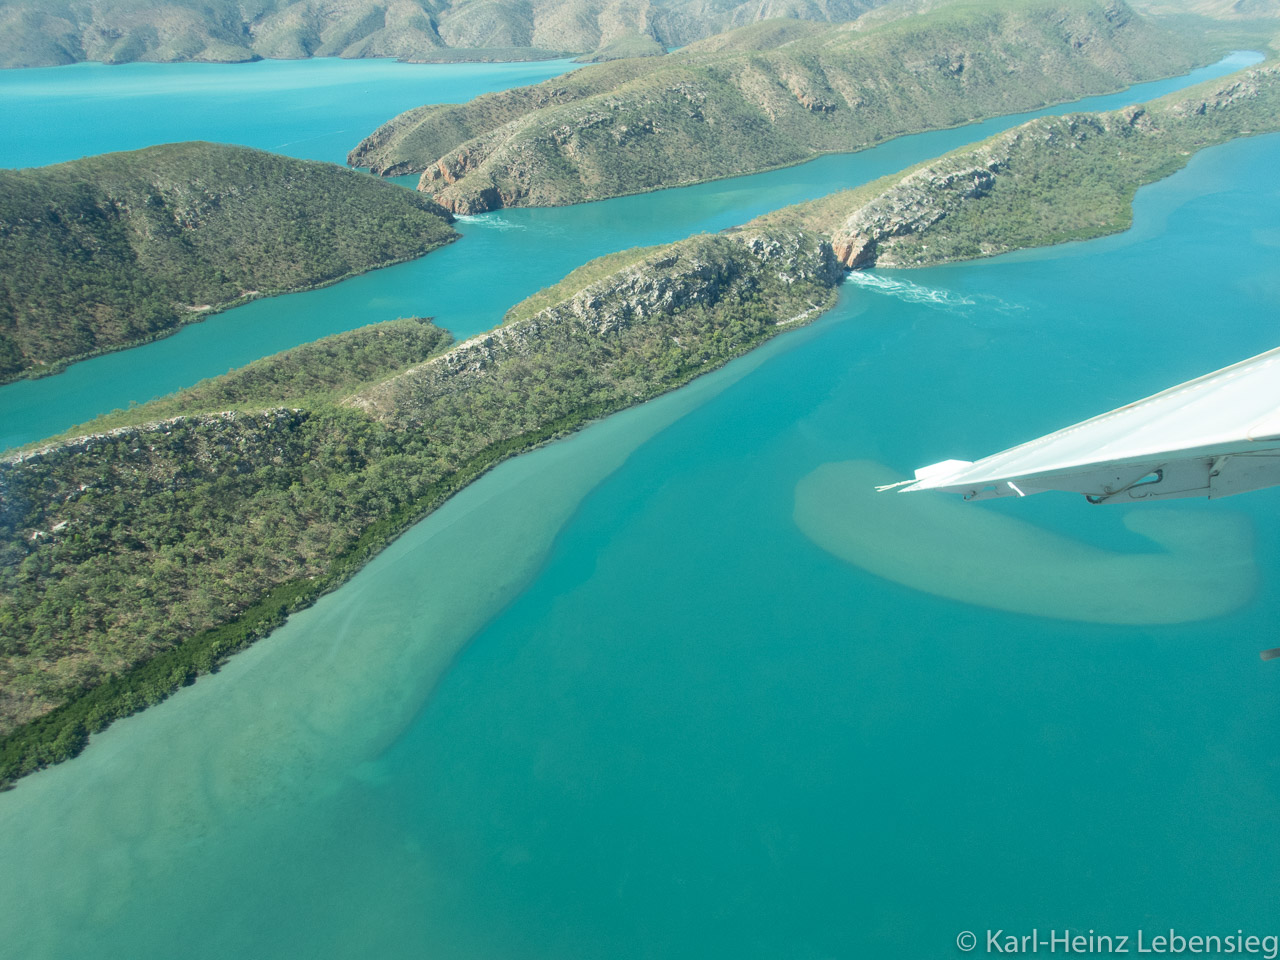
x,y
770,95
109,251
1051,180
134,558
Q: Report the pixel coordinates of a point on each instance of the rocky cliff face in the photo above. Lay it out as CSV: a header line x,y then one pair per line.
x,y
919,203
915,204
704,271
1052,179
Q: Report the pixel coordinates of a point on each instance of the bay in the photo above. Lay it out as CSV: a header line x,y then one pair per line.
x,y
698,734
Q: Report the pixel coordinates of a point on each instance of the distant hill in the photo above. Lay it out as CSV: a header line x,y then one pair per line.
x,y
768,95
103,252
46,32
1222,9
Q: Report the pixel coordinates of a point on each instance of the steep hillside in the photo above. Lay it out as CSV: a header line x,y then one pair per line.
x,y
45,32
103,252
631,126
1222,9
1048,181
133,558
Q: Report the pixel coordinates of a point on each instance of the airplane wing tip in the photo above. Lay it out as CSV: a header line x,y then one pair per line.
x,y
936,474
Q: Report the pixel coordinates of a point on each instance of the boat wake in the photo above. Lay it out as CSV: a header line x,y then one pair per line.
x,y
910,292
491,220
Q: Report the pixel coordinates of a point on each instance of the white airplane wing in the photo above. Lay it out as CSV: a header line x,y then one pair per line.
x,y
1214,436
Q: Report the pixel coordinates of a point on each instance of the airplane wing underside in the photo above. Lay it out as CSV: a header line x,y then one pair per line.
x,y
1214,436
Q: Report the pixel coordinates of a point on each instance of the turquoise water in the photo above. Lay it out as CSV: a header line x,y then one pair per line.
x,y
612,702
687,731
313,109
501,258
695,734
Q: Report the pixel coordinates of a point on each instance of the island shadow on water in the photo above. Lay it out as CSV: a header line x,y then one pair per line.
x,y
964,551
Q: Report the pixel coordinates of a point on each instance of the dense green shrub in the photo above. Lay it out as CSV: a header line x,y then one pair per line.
x,y
110,250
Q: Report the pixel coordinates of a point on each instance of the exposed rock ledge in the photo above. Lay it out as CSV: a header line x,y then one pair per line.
x,y
915,204
1058,178
703,270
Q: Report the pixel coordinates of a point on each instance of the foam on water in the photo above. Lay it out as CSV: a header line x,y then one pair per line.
x,y
970,552
491,220
910,292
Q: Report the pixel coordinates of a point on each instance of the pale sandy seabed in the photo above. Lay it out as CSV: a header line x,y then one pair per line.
x,y
1200,567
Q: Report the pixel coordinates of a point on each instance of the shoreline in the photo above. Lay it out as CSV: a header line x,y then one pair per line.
x,y
258,58
64,731
816,155
199,316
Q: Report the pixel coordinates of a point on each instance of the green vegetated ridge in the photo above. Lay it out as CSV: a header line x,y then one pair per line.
x,y
104,252
134,558
1224,9
47,32
722,108
631,45
1051,180
316,373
